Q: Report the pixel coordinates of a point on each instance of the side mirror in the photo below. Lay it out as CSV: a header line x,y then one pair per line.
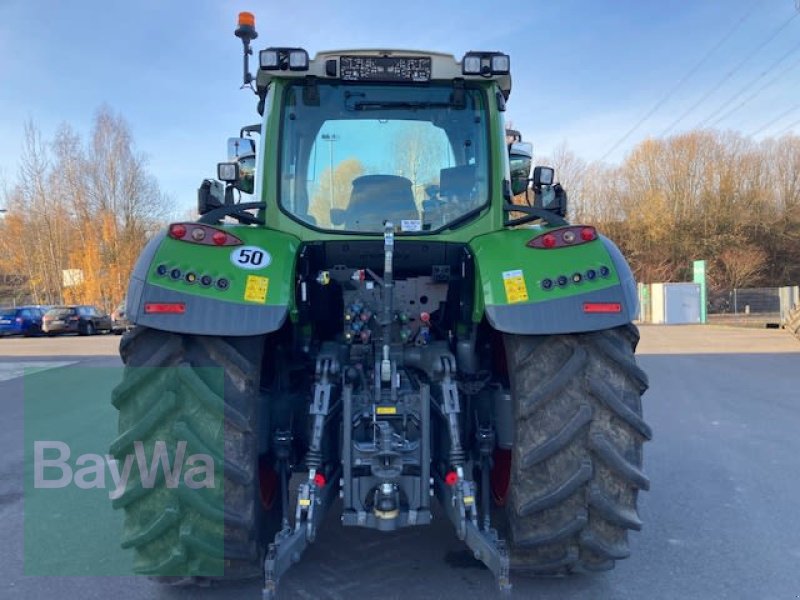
x,y
242,153
543,176
210,195
238,147
520,157
247,174
549,197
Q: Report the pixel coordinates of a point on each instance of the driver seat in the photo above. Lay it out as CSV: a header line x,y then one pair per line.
x,y
378,198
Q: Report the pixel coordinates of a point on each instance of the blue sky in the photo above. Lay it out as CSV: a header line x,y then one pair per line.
x,y
585,71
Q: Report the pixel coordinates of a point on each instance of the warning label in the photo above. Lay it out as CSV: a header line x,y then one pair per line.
x,y
514,282
256,289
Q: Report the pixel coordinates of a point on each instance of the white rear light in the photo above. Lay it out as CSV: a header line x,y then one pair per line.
x,y
298,60
268,59
472,65
501,64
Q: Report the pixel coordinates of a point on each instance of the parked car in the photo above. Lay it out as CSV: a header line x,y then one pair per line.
x,y
83,320
119,321
22,320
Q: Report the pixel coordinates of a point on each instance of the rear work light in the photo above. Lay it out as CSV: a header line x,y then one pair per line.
x,y
564,237
602,307
485,63
169,308
228,172
196,233
282,59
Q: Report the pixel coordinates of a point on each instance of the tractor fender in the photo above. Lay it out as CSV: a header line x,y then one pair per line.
x,y
236,311
512,279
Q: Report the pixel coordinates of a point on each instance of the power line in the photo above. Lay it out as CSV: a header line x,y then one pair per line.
x,y
788,127
723,108
775,120
729,74
682,80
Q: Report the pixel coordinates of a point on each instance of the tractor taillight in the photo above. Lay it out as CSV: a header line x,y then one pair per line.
x,y
169,308
564,237
602,307
319,480
177,231
196,233
451,478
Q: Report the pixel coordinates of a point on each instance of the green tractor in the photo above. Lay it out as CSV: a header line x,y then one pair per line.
x,y
390,325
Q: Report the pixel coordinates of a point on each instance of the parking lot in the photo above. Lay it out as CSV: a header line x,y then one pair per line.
x,y
720,519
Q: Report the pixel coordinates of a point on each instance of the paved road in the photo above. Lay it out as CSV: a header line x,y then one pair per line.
x,y
720,521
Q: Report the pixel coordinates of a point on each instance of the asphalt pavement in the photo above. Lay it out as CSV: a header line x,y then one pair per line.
x,y
721,519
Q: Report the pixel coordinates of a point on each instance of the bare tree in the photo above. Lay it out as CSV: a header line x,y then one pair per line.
x,y
78,209
334,190
740,267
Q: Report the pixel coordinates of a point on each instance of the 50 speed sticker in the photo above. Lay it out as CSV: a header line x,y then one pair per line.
x,y
250,257
514,282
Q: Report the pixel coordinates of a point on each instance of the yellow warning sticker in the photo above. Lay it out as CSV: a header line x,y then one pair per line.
x,y
514,282
386,410
255,290
304,502
469,500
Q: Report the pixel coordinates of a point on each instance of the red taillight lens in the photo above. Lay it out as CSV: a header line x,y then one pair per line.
x,y
177,231
173,308
319,480
196,233
563,237
602,307
451,478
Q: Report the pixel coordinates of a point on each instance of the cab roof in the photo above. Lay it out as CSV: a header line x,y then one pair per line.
x,y
327,65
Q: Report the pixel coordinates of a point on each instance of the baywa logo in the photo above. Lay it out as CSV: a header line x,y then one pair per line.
x,y
89,470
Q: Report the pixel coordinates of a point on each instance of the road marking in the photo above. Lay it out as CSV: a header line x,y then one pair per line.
x,y
12,370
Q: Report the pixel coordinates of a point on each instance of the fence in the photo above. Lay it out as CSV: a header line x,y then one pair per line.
x,y
750,306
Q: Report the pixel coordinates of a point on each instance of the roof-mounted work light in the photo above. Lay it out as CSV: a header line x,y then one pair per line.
x,y
486,64
283,59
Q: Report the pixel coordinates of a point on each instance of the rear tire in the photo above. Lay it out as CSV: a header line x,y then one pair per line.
x,y
178,539
577,458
